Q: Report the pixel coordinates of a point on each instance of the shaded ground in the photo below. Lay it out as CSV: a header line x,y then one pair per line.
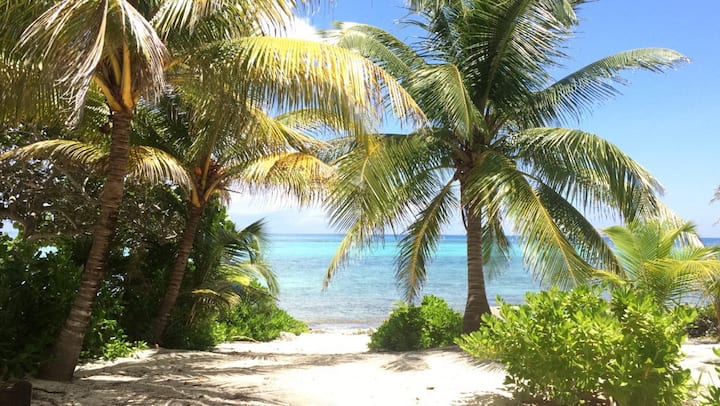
x,y
314,369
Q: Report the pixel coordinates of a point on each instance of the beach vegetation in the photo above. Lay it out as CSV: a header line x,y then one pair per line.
x,y
409,327
666,261
494,152
711,397
575,347
253,151
59,56
256,317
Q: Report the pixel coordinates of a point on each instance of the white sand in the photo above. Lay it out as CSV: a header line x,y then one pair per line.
x,y
326,368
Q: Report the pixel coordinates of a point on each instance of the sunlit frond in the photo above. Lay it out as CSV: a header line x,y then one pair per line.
x,y
380,186
156,166
304,74
442,93
60,151
393,55
234,17
656,257
292,174
77,40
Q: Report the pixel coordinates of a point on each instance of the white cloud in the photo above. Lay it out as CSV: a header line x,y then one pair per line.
x,y
282,216
295,27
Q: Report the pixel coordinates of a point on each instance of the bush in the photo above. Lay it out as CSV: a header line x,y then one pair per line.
x,y
432,324
256,317
574,347
712,397
706,323
36,290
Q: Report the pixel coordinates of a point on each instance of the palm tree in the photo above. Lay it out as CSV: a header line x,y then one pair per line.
x,y
494,149
249,150
658,258
130,50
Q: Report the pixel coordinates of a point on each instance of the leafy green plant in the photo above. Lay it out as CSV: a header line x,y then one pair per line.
x,y
706,324
256,317
36,289
432,324
574,347
712,397
107,340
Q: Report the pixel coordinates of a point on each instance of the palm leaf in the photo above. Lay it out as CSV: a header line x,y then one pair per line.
x,y
547,251
574,95
393,55
420,242
74,38
586,169
304,74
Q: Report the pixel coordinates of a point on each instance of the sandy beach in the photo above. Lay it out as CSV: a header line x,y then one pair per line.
x,y
318,368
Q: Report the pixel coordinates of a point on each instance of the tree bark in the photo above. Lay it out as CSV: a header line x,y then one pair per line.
x,y
477,302
178,272
66,350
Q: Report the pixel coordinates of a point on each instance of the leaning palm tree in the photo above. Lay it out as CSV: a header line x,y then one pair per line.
x,y
249,150
131,51
658,258
494,148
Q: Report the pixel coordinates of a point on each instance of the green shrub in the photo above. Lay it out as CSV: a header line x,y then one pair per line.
x,y
191,327
107,340
712,397
256,317
706,323
574,347
430,325
36,290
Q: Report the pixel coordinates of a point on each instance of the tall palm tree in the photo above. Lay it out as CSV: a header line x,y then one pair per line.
x,y
482,75
658,258
130,50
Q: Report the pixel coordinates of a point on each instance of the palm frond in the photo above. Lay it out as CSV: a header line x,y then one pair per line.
x,y
393,55
156,166
232,17
442,93
380,184
420,242
546,250
304,74
656,259
586,239
59,151
296,174
587,170
574,95
74,38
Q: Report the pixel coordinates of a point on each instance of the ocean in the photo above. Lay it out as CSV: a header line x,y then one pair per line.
x,y
363,293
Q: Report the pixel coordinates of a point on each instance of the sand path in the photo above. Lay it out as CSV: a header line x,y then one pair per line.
x,y
330,368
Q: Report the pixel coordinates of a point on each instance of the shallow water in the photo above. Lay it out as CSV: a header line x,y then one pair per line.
x,y
364,292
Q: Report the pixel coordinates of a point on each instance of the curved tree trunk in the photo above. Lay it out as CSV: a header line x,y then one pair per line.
x,y
66,350
178,272
477,303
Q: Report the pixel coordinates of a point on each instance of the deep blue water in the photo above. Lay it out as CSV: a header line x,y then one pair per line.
x,y
364,292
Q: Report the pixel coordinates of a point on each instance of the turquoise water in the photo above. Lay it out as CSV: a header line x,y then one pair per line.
x,y
363,293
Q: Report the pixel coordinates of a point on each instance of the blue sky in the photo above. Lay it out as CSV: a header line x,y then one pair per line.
x,y
664,121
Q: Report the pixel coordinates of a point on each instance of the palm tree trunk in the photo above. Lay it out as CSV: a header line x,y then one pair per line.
x,y
66,350
477,303
178,271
